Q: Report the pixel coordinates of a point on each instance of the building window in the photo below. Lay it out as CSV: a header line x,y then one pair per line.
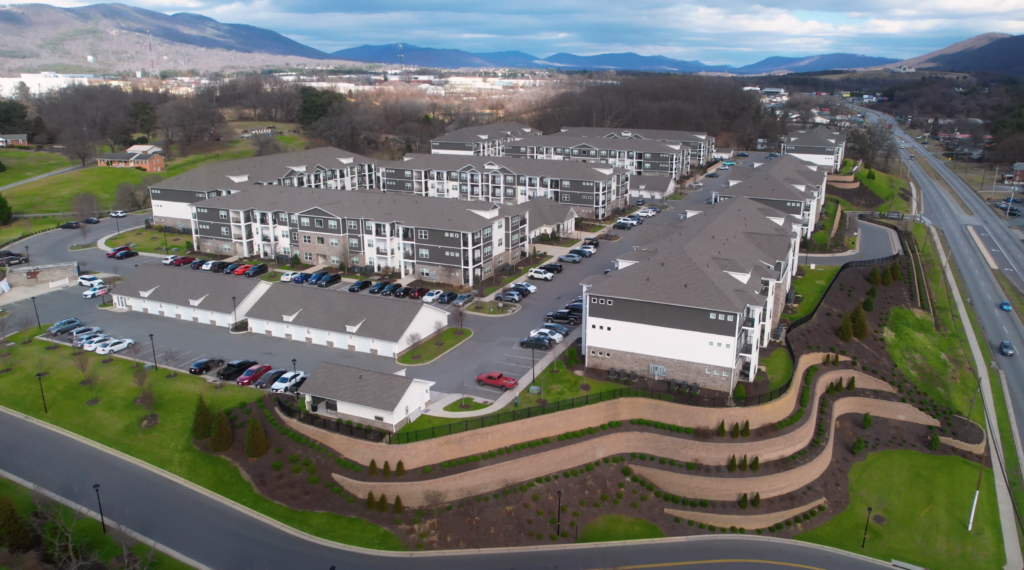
x,y
712,316
719,345
565,197
224,231
353,225
424,253
721,316
334,241
487,232
284,234
318,223
332,224
500,240
594,300
728,318
368,226
226,248
295,219
565,184
335,260
305,221
307,256
305,239
609,302
223,215
353,243
422,234
319,240
295,236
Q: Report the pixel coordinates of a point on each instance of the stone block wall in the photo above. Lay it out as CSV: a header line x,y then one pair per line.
x,y
748,522
677,369
31,275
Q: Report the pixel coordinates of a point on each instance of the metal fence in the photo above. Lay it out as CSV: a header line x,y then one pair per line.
x,y
336,426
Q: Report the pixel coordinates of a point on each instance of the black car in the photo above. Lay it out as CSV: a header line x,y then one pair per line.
x,y
641,202
91,221
582,252
197,264
232,370
592,241
622,226
218,266
522,288
359,286
403,292
575,308
70,225
535,342
13,260
711,175
447,298
256,270
390,289
379,286
563,316
329,280
742,154
552,267
231,268
8,253
205,365
125,254
268,379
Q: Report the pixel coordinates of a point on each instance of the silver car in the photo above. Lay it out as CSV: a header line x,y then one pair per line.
x,y
464,299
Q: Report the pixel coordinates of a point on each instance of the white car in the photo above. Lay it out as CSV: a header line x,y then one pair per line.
x,y
547,333
97,291
112,346
119,214
528,286
287,380
289,275
209,265
629,221
536,273
432,296
645,213
94,342
169,259
89,281
589,248
723,168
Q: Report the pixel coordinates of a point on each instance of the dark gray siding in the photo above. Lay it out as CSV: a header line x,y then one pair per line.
x,y
782,205
443,145
438,237
438,255
809,150
661,315
185,196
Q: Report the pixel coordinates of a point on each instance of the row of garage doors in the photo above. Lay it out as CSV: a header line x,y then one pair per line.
x,y
324,338
173,311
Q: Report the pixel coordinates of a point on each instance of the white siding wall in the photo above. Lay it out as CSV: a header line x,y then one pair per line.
x,y
423,324
257,326
819,159
172,311
459,152
661,342
181,210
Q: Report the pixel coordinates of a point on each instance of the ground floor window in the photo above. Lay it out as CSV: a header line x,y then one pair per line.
x,y
335,260
226,247
307,256
424,272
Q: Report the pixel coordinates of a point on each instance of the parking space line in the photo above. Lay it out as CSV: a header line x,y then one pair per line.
x,y
517,356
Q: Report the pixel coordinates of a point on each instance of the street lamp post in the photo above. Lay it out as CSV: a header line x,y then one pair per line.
x,y
294,369
866,523
234,308
103,521
39,376
153,344
39,325
559,527
118,224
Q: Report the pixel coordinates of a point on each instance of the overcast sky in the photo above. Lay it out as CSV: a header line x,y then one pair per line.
x,y
721,32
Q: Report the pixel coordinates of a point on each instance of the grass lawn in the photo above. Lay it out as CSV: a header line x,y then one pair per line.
x,y
828,218
886,187
490,307
811,287
114,422
538,261
54,194
22,164
18,228
89,531
428,350
779,367
457,406
926,501
609,528
219,153
151,241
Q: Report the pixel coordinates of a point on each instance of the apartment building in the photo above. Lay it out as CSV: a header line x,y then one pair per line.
x,y
821,146
327,167
486,140
640,157
698,297
701,145
595,190
461,243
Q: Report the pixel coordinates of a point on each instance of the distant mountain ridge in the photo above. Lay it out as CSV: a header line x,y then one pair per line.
x,y
1000,54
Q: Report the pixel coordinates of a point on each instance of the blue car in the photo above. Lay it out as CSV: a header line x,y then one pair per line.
x,y
1005,305
301,278
315,278
447,298
231,268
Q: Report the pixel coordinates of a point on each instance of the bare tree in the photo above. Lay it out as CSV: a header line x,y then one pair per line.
x,y
78,145
83,229
134,351
460,314
267,144
438,327
81,361
132,561
414,339
171,357
62,539
23,324
84,205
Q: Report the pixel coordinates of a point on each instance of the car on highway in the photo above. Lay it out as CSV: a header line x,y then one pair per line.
x,y
1006,306
64,326
300,278
536,342
81,340
268,379
117,250
329,280
1006,348
390,289
287,275
379,286
126,254
114,346
464,299
89,281
169,259
547,333
432,296
179,261
447,298
256,270
197,264
538,273
70,226
287,380
563,316
581,252
252,374
418,293
234,369
241,269
403,292
118,214
97,291
622,226
564,331
359,286
570,258
91,344
552,267
510,296
205,365
497,379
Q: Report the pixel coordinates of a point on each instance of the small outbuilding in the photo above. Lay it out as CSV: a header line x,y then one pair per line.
x,y
384,401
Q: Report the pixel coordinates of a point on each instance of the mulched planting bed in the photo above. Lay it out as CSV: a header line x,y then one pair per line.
x,y
861,198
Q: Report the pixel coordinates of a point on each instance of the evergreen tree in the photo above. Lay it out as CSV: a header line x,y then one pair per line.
x,y
398,508
735,431
874,277
866,422
257,444
869,304
223,435
845,330
872,292
743,501
859,322
835,359
6,214
202,423
852,384
894,270
382,503
399,471
886,276
721,429
831,388
933,442
745,431
370,502
839,385
373,467
755,464
871,174
756,501
739,392
743,463
826,360
732,464
15,532
387,469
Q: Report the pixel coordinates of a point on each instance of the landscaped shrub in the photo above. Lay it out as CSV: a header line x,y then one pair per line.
x,y
277,465
371,503
756,501
691,466
426,470
743,463
859,322
869,305
852,384
933,442
399,469
886,276
202,422
859,445
866,422
382,503
373,467
721,429
740,392
755,464
894,271
874,277
314,480
570,357
732,464
223,436
398,508
745,430
627,471
257,443
387,469
845,330
831,388
735,431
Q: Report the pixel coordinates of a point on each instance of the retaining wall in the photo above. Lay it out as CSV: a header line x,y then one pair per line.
x,y
749,522
28,275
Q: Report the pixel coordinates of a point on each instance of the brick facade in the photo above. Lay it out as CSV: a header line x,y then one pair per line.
x,y
676,369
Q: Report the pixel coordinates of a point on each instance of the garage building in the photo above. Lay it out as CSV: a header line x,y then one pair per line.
x,y
384,401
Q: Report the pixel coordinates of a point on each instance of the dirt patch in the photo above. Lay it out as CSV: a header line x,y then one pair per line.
x,y
861,198
5,355
879,520
52,347
150,421
106,361
86,382
6,370
171,375
92,402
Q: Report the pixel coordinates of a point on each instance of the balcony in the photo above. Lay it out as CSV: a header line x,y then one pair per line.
x,y
747,349
382,251
748,323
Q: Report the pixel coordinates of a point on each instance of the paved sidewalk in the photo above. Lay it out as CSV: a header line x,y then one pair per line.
x,y
1007,520
46,175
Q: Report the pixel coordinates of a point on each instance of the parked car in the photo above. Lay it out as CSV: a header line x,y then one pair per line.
x,y
205,365
418,293
570,258
287,380
552,267
581,252
379,286
117,250
547,333
432,296
315,278
390,289
536,342
97,291
639,221
641,202
179,261
592,241
695,185
230,268
447,298
197,264
646,213
301,278
212,265
1014,200
70,226
711,175
589,248
257,270
61,327
287,275
1006,348
403,292
126,254
114,346
94,342
83,332
91,221
81,340
252,374
169,259
268,379
497,379
772,155
629,221
538,273
1006,306
563,316
332,279
234,369
575,308
528,286
89,281
119,214
464,299
13,260
241,269
622,226
742,154
723,167
510,296
557,328
359,286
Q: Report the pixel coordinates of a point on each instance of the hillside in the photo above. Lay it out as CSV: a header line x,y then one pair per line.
x,y
813,63
1003,56
928,59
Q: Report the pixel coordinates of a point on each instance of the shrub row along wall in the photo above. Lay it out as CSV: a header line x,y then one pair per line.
x,y
762,520
729,489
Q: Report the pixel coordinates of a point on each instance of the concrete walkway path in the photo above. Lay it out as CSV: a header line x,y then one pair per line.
x,y
873,242
41,176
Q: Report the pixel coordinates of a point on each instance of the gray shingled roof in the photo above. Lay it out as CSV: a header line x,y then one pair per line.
x,y
381,318
818,137
357,386
180,285
640,145
649,134
519,166
489,132
548,212
16,137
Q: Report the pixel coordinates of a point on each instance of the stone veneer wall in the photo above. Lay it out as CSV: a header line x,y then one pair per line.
x,y
677,369
763,520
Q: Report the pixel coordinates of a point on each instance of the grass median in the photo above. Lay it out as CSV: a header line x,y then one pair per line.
x,y
779,367
432,348
18,228
151,241
105,411
609,528
811,287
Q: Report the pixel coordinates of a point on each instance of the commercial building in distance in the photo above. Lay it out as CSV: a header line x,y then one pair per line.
x,y
821,146
486,140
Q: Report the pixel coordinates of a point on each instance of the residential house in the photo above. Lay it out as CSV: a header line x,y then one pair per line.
x,y
1017,171
13,140
638,156
701,145
551,218
820,145
142,161
145,148
384,401
486,140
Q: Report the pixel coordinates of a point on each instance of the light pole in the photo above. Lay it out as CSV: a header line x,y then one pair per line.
x,y
233,309
153,344
865,539
559,527
36,309
103,521
39,376
26,251
294,369
118,224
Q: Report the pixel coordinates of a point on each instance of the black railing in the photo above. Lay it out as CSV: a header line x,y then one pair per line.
x,y
336,426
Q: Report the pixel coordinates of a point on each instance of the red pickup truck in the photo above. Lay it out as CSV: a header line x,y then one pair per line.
x,y
497,379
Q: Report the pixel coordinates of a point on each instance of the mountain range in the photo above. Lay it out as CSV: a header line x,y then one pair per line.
x,y
108,38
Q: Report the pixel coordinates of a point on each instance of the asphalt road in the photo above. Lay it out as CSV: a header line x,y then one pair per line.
x,y
219,536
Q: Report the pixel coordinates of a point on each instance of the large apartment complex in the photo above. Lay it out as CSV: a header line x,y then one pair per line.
x,y
487,140
701,145
639,157
821,146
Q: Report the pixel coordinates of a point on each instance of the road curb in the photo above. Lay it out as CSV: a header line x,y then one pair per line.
x,y
443,354
102,242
